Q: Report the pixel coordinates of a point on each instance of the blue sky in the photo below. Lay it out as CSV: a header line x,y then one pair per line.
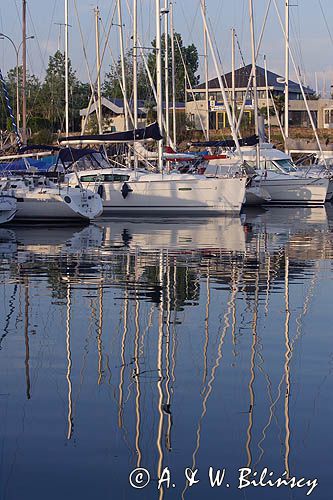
x,y
310,39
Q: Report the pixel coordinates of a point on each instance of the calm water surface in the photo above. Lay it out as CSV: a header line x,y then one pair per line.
x,y
179,344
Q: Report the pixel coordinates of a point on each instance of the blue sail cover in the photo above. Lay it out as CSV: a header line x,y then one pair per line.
x,y
42,164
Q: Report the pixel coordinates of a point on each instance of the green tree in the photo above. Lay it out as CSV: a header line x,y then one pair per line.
x,y
53,90
112,88
187,56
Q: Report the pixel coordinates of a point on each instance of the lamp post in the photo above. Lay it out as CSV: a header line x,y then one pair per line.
x,y
17,52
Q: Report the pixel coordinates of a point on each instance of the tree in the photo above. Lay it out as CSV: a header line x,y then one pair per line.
x,y
183,55
112,88
53,90
189,54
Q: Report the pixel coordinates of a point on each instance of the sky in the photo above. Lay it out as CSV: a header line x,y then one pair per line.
x,y
311,39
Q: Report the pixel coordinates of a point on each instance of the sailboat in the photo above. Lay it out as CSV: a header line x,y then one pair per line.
x,y
138,191
39,198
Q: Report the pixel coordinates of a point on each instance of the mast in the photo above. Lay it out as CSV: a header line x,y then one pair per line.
x,y
267,101
135,69
24,71
98,69
286,77
254,69
166,69
66,71
233,75
173,76
204,9
159,78
122,61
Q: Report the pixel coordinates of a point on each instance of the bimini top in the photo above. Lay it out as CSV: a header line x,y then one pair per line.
x,y
141,134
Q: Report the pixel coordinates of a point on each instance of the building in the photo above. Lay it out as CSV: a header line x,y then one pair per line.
x,y
196,110
114,116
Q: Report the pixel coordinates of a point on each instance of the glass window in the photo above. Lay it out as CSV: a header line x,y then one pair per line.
x,y
88,178
115,177
286,165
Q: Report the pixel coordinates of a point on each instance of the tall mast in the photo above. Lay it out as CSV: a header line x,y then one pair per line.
x,y
159,78
254,69
66,71
166,69
233,74
135,69
267,101
286,76
174,123
98,68
24,71
122,61
203,5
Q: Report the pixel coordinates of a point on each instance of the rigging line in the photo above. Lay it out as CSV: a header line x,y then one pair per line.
x,y
130,114
37,40
43,57
92,87
190,85
256,57
190,28
240,50
291,53
92,97
150,78
325,21
297,35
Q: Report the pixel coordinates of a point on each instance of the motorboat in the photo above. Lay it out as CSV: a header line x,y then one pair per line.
x,y
285,183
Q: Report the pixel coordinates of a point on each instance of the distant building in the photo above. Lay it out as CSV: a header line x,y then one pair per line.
x,y
114,116
196,109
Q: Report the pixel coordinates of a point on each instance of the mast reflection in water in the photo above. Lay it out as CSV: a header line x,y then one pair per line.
x,y
166,343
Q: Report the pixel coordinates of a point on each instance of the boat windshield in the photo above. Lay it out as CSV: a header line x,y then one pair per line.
x,y
286,165
92,162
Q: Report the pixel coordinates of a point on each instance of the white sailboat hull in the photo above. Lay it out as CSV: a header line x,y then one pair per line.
x,y
58,205
53,203
174,193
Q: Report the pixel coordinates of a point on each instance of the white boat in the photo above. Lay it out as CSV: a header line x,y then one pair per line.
x,y
254,194
320,170
124,190
8,207
284,182
38,198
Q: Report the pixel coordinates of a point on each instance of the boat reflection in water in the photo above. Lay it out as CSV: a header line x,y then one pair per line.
x,y
172,343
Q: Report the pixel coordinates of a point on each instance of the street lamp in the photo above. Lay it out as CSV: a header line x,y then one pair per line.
x,y
17,51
